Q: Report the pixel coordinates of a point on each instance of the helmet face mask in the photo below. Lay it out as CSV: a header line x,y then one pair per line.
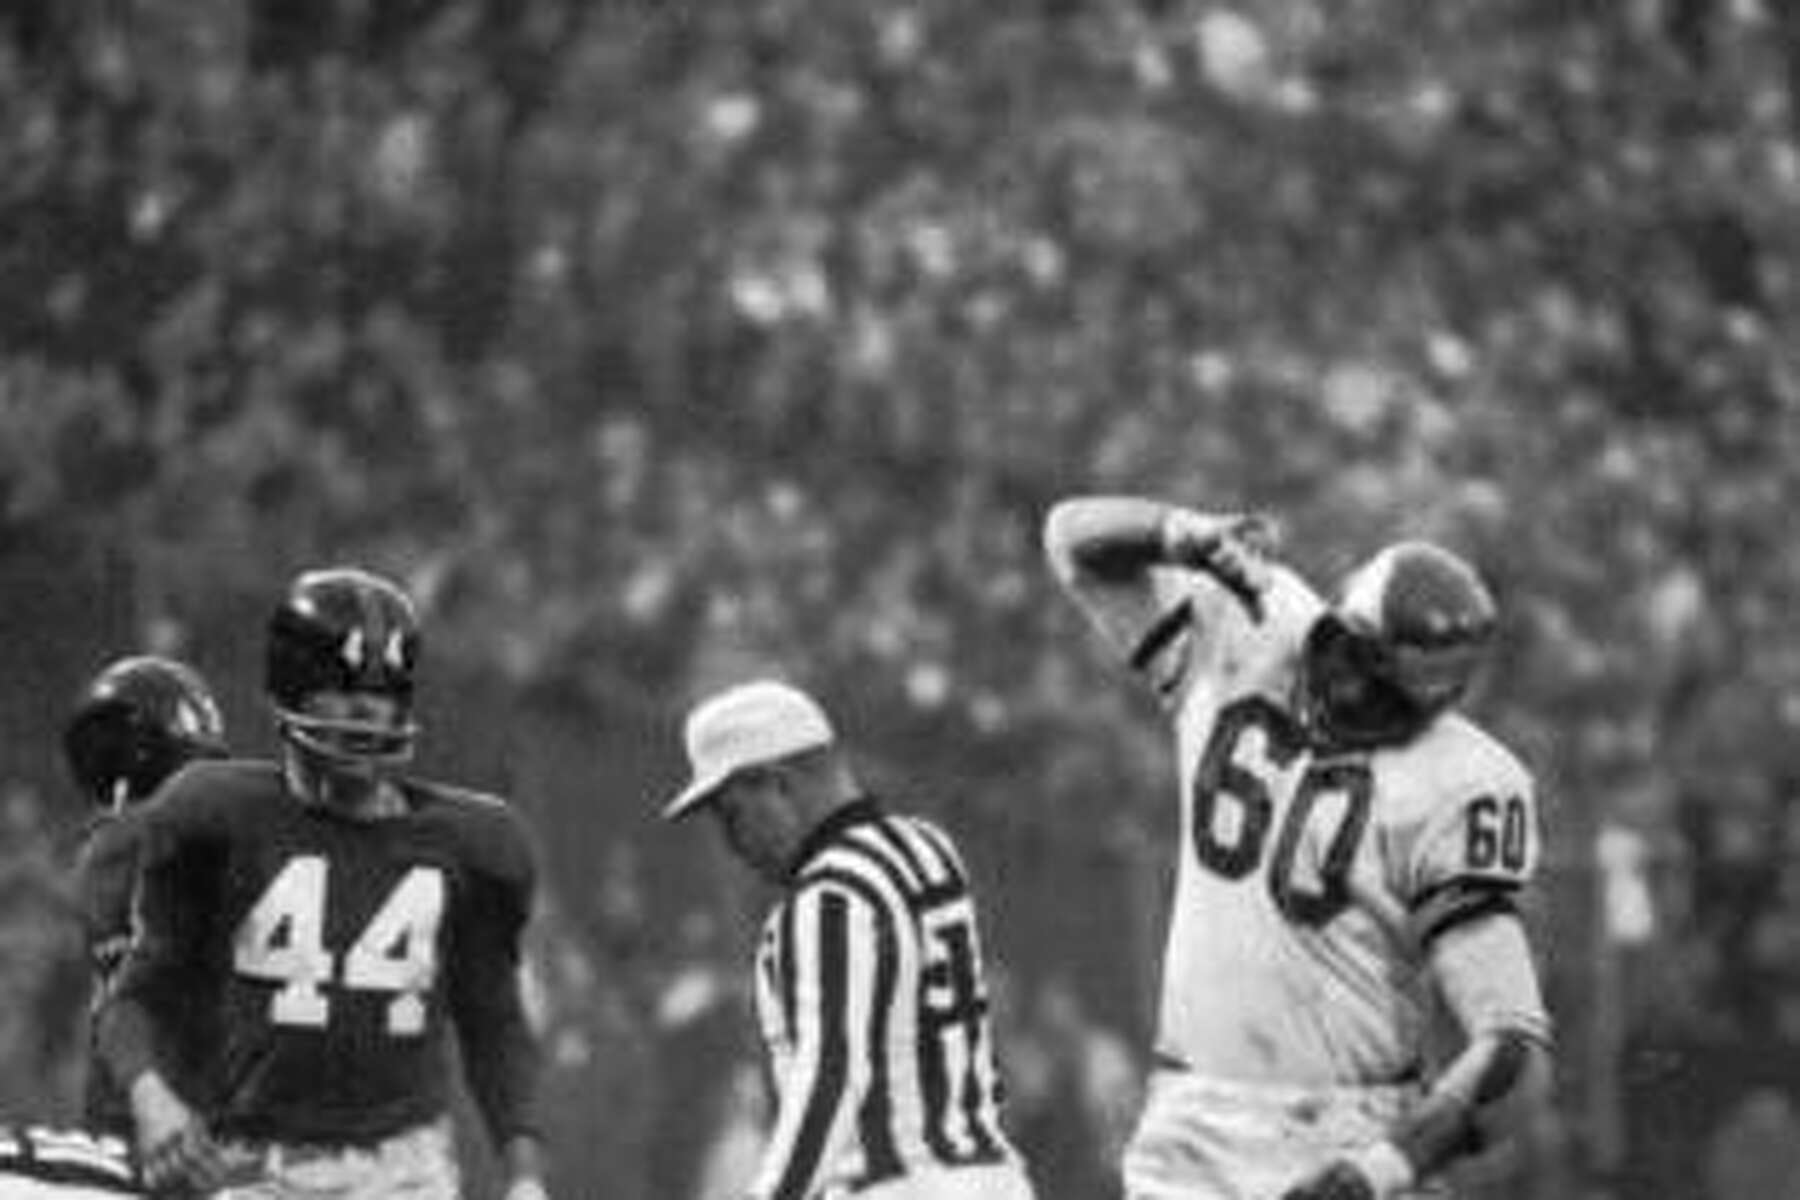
x,y
351,728
1348,695
1402,645
342,648
135,724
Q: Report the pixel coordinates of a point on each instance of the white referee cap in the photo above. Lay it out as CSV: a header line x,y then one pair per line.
x,y
746,726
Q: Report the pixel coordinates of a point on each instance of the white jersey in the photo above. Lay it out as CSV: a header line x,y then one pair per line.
x,y
1310,884
65,1164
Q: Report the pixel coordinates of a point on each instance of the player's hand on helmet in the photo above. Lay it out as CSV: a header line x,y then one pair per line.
x,y
1233,549
1340,1180
175,1150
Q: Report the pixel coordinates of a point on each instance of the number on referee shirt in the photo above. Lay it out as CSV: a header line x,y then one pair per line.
x,y
953,1018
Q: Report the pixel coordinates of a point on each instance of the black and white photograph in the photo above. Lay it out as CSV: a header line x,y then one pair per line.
x,y
899,600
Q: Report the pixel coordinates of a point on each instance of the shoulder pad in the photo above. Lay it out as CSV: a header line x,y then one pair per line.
x,y
490,832
210,792
1464,811
1456,756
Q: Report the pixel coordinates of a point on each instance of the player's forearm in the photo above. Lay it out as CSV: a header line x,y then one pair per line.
x,y
503,1063
141,1002
1476,1102
1483,968
501,1052
125,1038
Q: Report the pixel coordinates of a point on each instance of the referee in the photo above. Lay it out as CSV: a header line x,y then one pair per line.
x,y
869,984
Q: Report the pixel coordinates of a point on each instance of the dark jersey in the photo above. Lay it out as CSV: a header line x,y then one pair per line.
x,y
340,952
106,870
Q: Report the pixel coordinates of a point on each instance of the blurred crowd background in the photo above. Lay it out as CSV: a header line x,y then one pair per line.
x,y
654,342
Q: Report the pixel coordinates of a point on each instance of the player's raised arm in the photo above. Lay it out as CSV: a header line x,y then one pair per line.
x,y
1129,563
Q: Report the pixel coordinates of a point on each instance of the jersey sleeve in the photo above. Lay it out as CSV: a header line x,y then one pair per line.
x,y
105,873
1180,625
179,857
1473,852
501,1054
840,981
1488,978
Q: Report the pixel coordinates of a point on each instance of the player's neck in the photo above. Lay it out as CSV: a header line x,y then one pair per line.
x,y
359,799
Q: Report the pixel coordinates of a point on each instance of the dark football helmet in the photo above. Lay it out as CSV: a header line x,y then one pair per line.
x,y
1410,629
343,645
135,723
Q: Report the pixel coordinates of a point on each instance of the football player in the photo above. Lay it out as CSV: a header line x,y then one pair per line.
x,y
133,725
1351,848
350,916
42,1163
45,1164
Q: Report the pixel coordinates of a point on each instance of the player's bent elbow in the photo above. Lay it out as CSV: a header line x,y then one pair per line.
x,y
1105,537
1058,537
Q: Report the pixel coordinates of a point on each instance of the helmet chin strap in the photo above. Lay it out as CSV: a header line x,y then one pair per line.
x,y
362,795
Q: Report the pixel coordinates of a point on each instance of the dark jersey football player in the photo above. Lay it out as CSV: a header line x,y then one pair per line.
x,y
133,725
351,919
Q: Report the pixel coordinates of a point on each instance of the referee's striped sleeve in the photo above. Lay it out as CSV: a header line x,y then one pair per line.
x,y
836,946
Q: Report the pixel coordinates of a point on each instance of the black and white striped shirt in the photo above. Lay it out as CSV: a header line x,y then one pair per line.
x,y
874,1011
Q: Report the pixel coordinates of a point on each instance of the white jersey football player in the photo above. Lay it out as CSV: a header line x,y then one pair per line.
x,y
1352,853
39,1163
